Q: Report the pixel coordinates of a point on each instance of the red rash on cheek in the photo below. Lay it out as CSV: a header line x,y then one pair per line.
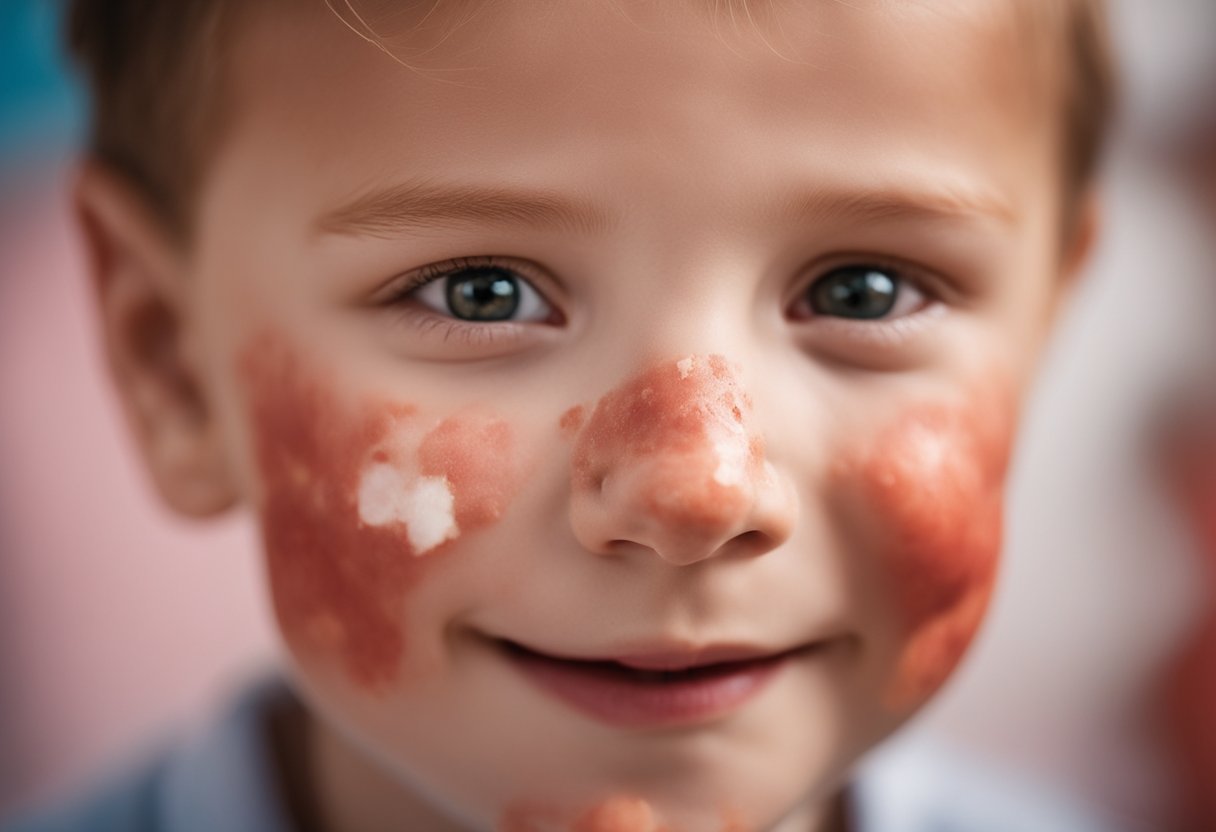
x,y
680,428
339,582
472,456
933,482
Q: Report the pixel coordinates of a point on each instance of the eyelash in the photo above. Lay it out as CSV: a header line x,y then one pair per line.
x,y
907,278
449,328
437,271
876,330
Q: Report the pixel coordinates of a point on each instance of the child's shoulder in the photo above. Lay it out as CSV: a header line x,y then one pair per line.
x,y
920,785
224,777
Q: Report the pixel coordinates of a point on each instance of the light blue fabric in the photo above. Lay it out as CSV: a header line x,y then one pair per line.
x,y
224,780
220,780
918,785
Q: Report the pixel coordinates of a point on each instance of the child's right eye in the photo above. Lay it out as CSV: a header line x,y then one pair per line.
x,y
480,292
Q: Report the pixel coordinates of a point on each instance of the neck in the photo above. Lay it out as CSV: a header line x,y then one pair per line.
x,y
334,786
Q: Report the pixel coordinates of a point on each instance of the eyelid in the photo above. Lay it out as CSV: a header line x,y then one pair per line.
x,y
530,308
404,288
406,282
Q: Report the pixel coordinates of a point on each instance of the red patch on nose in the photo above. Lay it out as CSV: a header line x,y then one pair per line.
x,y
933,482
679,428
339,584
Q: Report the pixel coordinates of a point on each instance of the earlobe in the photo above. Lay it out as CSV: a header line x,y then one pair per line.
x,y
139,277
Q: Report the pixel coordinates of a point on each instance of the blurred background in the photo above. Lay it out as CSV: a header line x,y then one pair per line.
x,y
120,625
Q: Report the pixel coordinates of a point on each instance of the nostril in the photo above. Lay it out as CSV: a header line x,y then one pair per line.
x,y
752,543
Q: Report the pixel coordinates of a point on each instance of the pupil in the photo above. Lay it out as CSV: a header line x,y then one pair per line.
x,y
855,292
484,294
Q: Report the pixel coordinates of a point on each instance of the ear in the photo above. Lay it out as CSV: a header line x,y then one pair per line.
x,y
1079,241
140,278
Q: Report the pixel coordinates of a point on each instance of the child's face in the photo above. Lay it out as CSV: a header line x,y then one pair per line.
x,y
719,363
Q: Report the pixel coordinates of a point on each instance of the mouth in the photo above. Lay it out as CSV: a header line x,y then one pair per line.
x,y
653,689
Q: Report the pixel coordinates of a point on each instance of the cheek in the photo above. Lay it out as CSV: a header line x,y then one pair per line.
x,y
359,504
930,489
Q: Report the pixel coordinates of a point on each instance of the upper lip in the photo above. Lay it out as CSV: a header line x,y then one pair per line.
x,y
670,656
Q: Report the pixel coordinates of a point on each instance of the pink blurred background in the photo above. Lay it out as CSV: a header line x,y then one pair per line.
x,y
119,625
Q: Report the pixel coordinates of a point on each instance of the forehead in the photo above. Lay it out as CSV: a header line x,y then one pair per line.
x,y
684,98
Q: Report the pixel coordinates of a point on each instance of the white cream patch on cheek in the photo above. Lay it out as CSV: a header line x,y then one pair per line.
x,y
424,505
685,365
430,519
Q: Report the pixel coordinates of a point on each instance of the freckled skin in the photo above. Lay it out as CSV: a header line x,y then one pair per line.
x,y
339,586
933,483
666,421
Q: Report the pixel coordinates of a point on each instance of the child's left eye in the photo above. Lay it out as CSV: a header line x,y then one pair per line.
x,y
484,293
860,292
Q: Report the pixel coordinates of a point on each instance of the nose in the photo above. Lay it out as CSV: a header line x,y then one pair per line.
x,y
670,461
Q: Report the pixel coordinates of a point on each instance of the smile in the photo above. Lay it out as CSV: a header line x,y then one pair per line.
x,y
653,689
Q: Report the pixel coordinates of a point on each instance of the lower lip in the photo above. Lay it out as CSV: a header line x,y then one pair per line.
x,y
636,700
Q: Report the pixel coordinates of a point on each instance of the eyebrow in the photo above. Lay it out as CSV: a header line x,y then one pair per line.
x,y
423,206
428,206
904,203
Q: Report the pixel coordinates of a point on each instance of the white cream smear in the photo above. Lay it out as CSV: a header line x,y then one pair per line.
x,y
730,443
424,505
733,452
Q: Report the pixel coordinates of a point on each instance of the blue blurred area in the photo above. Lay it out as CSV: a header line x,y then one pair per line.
x,y
41,105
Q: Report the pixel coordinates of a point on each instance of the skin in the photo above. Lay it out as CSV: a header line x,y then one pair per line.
x,y
937,475
670,450
339,580
280,357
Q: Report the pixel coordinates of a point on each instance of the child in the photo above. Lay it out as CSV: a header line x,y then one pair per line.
x,y
625,389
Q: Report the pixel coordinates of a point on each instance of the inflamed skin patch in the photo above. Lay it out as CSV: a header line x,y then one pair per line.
x,y
672,449
932,482
360,499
